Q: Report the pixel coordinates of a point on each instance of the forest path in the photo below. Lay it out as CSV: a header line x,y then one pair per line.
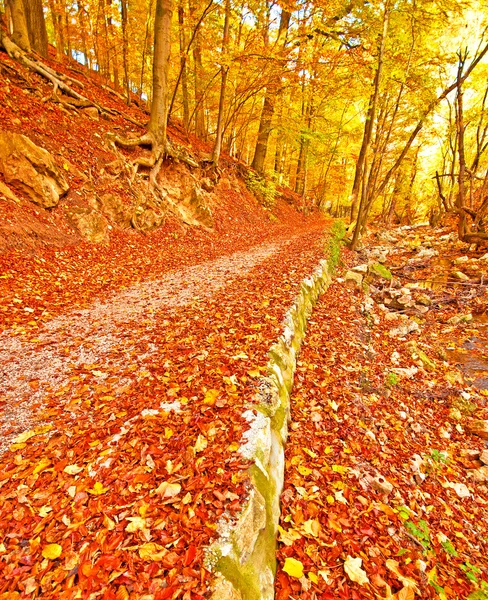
x,y
100,336
134,407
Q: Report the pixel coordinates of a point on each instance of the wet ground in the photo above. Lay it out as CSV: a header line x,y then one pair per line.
x,y
471,354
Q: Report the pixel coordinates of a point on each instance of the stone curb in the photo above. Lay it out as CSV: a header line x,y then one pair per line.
x,y
243,558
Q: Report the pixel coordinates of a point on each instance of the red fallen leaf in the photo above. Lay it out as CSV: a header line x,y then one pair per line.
x,y
170,560
189,555
166,593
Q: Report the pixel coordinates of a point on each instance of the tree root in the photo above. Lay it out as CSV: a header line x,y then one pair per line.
x,y
59,81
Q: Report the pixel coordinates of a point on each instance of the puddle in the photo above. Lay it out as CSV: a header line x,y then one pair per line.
x,y
471,354
440,276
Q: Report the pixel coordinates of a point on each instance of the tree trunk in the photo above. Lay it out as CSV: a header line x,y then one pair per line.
x,y
200,130
183,68
460,200
272,90
368,126
18,24
125,48
224,69
162,48
36,26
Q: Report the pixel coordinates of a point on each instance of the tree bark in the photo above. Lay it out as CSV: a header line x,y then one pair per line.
x,y
368,126
18,24
272,90
162,47
125,48
224,69
36,26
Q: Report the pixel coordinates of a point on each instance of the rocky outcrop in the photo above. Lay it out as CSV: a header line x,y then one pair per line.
x,y
31,169
114,208
91,225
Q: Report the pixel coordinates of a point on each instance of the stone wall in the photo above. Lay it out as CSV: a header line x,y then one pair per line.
x,y
243,557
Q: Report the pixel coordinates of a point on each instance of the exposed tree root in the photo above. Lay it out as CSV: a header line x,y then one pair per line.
x,y
60,82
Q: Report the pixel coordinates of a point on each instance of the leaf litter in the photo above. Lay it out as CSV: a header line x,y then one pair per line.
x,y
385,451
130,457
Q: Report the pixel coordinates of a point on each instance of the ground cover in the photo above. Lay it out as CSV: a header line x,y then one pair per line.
x,y
385,494
131,458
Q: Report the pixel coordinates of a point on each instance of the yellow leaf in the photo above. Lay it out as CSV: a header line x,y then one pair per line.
x,y
305,471
313,578
406,593
352,567
309,452
27,435
240,355
293,567
98,489
136,524
41,466
254,373
152,551
287,537
330,499
168,433
168,490
211,397
201,443
340,469
233,447
52,551
328,450
108,523
45,510
311,527
72,469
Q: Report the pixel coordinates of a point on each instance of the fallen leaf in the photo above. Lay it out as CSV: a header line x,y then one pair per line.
x,y
52,551
352,567
168,490
97,489
72,469
152,551
293,567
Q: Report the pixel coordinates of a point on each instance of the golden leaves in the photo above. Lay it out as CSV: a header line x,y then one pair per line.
x,y
72,469
52,551
27,435
152,551
168,490
293,567
97,489
352,567
211,397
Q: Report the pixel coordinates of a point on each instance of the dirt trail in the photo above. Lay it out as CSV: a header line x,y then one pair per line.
x,y
89,336
134,426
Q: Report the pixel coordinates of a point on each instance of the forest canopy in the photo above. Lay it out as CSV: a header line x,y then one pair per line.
x,y
362,108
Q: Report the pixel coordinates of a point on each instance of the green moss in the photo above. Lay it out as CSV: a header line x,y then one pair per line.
x,y
381,270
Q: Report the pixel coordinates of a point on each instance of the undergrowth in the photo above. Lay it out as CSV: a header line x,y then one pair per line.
x,y
264,188
338,231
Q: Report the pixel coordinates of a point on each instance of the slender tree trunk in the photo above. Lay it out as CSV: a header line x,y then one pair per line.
x,y
224,69
183,67
162,47
368,126
460,200
125,48
58,26
144,48
84,34
272,90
